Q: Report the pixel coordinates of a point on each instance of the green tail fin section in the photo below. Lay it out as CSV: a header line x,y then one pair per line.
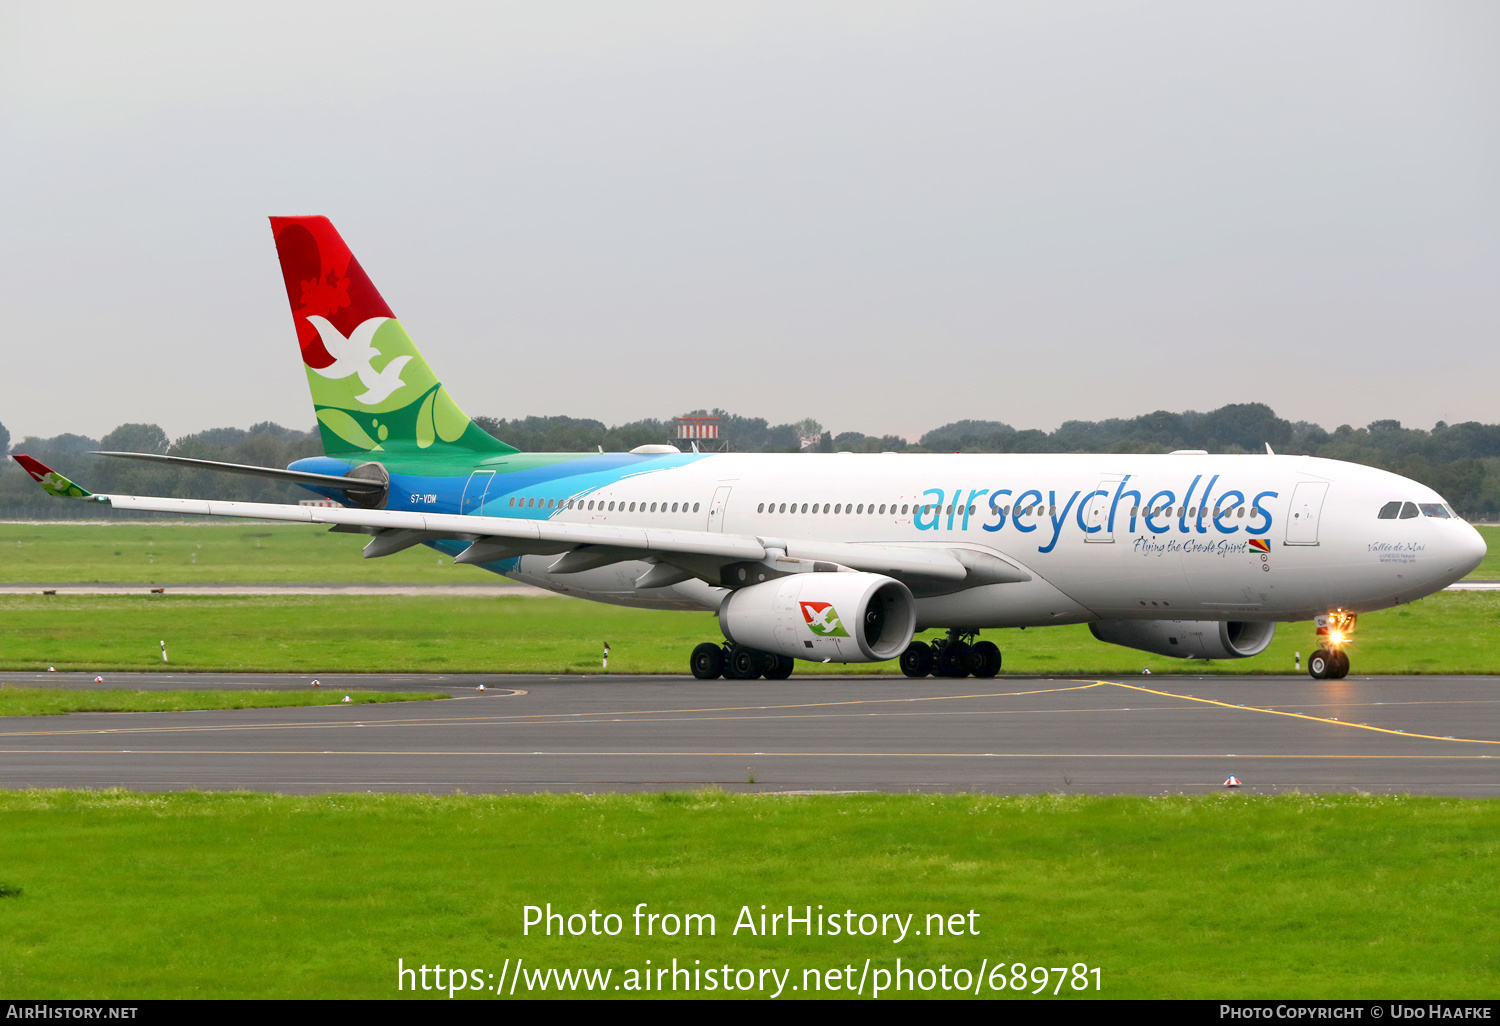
x,y
372,390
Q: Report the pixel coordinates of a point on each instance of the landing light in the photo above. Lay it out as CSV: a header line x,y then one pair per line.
x,y
1337,629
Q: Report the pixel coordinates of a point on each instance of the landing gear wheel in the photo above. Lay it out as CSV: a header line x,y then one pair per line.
x,y
742,663
916,661
986,659
953,660
707,661
782,669
1340,668
1319,664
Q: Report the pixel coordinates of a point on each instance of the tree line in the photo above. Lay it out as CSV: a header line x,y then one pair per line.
x,y
1460,461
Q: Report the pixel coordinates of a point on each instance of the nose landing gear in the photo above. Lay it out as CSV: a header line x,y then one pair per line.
x,y
1330,661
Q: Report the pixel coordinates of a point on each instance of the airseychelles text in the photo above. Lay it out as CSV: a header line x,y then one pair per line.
x,y
1193,509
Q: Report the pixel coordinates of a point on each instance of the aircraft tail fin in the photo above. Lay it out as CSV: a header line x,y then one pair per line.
x,y
372,390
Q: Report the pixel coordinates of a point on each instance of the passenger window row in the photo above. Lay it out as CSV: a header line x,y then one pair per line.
x,y
1238,512
1035,509
858,509
599,505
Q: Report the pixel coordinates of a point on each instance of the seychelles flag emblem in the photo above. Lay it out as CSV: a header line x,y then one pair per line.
x,y
1260,545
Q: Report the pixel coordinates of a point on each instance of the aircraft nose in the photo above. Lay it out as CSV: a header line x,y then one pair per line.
x,y
1466,552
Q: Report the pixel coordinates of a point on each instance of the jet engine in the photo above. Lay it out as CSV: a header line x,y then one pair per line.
x,y
1188,639
841,617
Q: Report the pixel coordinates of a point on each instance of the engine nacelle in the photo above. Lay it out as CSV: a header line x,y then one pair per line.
x,y
1188,639
841,617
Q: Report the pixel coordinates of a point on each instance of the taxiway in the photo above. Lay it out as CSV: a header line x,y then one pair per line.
x,y
1147,735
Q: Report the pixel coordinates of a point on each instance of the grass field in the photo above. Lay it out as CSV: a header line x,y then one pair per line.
x,y
18,701
1489,569
212,553
111,894
252,553
1445,633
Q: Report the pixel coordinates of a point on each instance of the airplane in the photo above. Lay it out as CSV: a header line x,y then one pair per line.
x,y
838,557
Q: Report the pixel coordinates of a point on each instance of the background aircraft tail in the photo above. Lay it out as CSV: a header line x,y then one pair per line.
x,y
371,388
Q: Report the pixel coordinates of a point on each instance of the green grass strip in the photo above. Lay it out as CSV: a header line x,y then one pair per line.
x,y
1451,632
122,895
212,553
18,701
1489,568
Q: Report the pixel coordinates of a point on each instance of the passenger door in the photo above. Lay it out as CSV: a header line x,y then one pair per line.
x,y
716,509
475,489
1305,512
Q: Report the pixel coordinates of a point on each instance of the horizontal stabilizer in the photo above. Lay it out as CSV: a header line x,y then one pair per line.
x,y
348,484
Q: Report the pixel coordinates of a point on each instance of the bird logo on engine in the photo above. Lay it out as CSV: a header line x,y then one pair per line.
x,y
823,620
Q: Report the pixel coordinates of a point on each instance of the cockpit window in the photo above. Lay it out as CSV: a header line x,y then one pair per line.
x,y
1434,509
1390,509
1408,510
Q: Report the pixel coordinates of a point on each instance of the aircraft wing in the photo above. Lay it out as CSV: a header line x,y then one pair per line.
x,y
582,545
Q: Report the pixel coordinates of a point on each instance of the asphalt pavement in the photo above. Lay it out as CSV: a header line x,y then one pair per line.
x,y
1138,735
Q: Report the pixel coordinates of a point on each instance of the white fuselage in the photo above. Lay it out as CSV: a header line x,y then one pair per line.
x,y
1181,536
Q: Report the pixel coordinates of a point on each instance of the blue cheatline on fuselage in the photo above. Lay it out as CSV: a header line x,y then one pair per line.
x,y
566,479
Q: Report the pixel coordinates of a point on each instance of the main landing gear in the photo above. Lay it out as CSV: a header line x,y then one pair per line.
x,y
736,662
1330,661
957,655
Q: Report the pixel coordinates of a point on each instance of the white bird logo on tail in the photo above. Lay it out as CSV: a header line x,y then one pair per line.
x,y
353,355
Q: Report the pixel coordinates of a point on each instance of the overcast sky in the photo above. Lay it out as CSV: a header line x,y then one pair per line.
x,y
883,216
